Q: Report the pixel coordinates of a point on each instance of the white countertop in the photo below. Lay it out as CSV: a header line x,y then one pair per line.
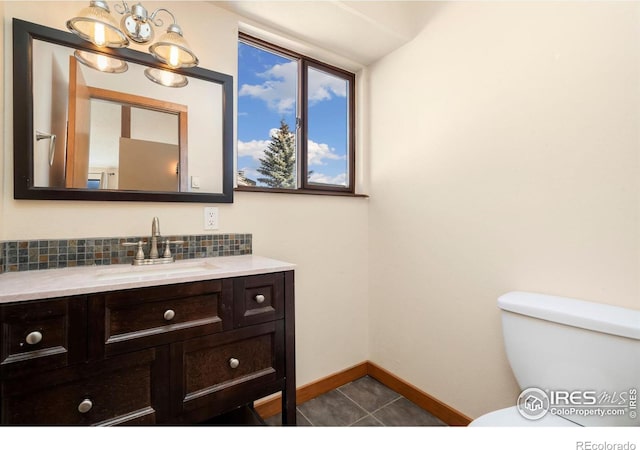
x,y
51,283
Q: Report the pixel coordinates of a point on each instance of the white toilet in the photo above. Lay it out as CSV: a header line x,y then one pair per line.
x,y
577,362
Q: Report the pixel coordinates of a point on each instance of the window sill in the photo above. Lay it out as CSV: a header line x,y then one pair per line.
x,y
299,192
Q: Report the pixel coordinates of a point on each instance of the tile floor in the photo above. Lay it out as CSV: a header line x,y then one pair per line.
x,y
363,402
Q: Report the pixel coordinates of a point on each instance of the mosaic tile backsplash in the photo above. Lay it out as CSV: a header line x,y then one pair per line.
x,y
18,256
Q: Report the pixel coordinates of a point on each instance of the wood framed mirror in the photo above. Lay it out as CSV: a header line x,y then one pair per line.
x,y
80,134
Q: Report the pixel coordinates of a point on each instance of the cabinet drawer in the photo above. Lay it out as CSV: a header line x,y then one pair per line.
x,y
148,317
42,333
227,367
258,299
116,391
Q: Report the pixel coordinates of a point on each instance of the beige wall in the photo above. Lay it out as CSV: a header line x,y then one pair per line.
x,y
324,236
504,156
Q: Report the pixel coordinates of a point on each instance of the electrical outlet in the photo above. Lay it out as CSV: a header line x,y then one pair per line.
x,y
211,218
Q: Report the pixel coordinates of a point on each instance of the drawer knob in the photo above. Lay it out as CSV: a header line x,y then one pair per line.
x,y
259,298
169,314
34,338
234,363
85,406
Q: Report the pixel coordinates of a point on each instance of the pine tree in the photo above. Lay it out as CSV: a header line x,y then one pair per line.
x,y
278,163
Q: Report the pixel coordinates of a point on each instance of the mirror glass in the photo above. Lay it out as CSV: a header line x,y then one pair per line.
x,y
116,125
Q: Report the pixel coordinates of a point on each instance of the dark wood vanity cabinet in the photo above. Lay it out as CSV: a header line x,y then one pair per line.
x,y
118,391
219,371
171,354
42,335
123,321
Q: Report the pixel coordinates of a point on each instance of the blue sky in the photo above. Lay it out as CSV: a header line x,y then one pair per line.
x,y
267,93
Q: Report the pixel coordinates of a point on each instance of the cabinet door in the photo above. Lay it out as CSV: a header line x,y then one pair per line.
x,y
216,373
258,299
141,318
122,390
39,334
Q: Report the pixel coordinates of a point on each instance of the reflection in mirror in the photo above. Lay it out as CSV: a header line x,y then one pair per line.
x,y
108,124
101,62
129,129
103,125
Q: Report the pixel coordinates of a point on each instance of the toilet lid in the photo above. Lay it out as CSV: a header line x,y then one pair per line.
x,y
510,417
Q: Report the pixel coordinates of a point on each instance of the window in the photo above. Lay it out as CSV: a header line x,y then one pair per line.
x,y
295,122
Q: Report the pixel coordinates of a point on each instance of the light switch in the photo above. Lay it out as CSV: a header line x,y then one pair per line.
x,y
195,182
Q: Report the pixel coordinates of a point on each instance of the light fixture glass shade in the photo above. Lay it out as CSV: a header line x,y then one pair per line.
x,y
166,78
172,49
103,63
95,24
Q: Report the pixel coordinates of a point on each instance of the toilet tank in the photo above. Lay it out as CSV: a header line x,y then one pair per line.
x,y
584,355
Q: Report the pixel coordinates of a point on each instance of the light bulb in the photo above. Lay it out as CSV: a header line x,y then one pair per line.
x,y
99,35
102,63
165,78
174,56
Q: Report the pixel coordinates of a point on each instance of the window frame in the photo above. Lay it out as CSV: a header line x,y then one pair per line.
x,y
304,63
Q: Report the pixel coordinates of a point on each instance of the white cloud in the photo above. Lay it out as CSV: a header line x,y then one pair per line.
x,y
338,180
280,87
318,153
255,148
322,85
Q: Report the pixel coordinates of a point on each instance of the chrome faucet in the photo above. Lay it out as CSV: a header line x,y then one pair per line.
x,y
154,255
155,234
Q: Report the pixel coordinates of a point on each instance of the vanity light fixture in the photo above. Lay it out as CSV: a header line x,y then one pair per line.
x,y
100,62
172,48
95,24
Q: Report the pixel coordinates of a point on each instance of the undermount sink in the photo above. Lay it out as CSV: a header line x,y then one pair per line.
x,y
154,271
